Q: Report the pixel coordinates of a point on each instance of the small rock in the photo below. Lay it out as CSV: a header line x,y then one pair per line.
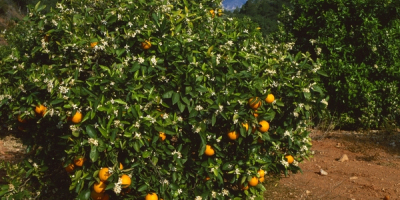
x,y
353,177
323,173
387,197
308,192
343,158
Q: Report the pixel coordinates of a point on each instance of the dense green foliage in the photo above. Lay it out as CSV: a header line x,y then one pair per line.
x,y
193,84
357,42
263,12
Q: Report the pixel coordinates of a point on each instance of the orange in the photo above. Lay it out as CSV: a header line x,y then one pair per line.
x,y
264,126
21,120
233,135
121,167
254,103
261,173
93,44
254,181
255,113
151,196
40,110
245,188
212,13
21,128
146,44
96,196
162,136
270,98
99,187
77,117
70,168
79,161
106,197
126,181
206,179
104,174
289,158
209,150
246,125
219,12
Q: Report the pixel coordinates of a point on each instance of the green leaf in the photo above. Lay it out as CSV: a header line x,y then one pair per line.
x,y
56,101
168,94
94,154
91,131
320,72
120,101
142,188
181,106
146,154
175,98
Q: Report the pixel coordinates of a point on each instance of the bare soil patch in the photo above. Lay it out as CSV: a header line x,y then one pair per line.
x,y
372,171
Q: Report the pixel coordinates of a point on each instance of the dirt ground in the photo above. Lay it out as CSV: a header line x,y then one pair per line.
x,y
372,171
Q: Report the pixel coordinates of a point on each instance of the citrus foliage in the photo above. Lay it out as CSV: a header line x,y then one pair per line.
x,y
158,85
357,43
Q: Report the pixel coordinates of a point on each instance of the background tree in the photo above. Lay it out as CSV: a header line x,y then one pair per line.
x,y
358,44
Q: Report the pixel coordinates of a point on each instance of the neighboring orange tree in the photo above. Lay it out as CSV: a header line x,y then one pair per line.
x,y
154,99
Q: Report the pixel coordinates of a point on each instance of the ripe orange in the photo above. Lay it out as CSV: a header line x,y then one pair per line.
x,y
254,103
209,150
104,174
126,181
206,179
162,136
219,12
254,181
233,135
270,98
261,173
97,196
93,44
255,113
289,158
99,187
146,45
212,13
151,196
70,168
245,188
78,161
246,125
121,167
40,110
264,126
21,120
77,117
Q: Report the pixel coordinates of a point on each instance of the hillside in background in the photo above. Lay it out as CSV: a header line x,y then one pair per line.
x,y
263,12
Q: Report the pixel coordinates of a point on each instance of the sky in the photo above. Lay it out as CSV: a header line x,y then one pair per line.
x,y
232,4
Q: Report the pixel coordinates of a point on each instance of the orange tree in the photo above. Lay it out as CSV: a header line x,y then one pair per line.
x,y
136,99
